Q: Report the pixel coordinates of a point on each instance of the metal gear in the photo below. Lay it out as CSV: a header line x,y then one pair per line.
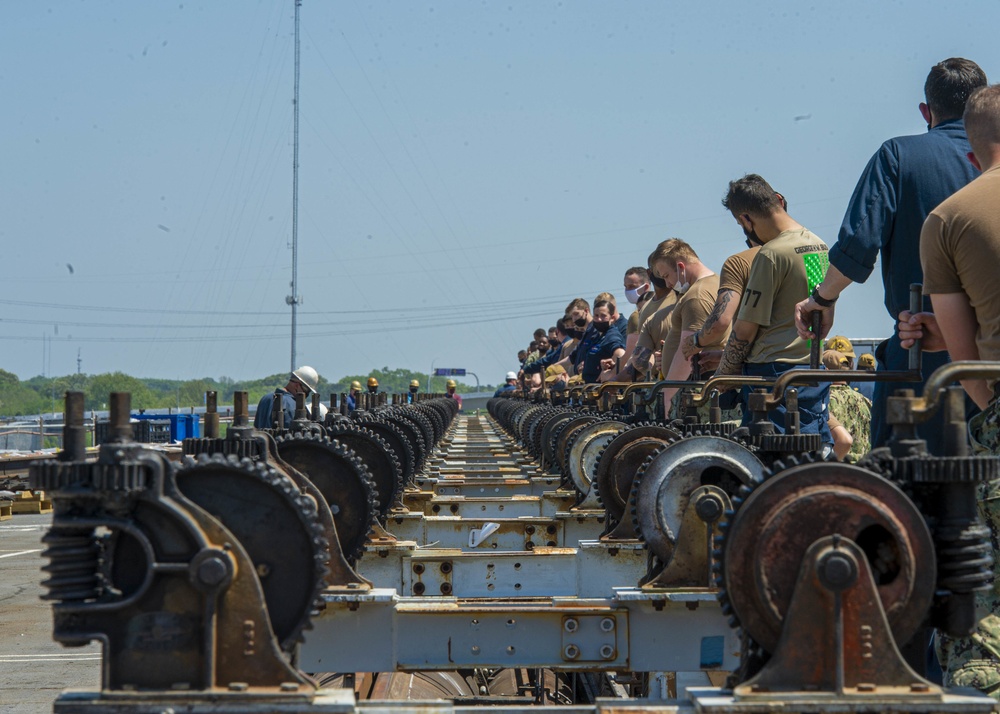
x,y
767,536
276,524
344,481
584,449
619,461
381,461
663,487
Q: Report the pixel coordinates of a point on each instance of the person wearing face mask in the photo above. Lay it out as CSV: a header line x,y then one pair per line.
x,y
411,396
617,321
653,319
609,344
696,286
764,341
535,369
732,282
637,292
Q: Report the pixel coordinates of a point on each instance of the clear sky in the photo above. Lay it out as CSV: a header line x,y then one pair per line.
x,y
466,167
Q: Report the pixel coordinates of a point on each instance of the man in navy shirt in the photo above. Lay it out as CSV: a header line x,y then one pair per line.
x,y
304,380
904,181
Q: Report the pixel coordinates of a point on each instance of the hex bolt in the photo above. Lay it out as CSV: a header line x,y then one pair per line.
x,y
571,652
418,588
446,588
607,624
418,568
529,530
446,567
607,652
571,625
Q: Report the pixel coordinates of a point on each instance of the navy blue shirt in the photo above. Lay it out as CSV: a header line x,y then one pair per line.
x,y
590,338
547,359
604,348
904,181
263,418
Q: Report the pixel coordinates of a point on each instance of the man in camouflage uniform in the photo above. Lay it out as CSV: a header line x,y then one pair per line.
x,y
854,412
959,252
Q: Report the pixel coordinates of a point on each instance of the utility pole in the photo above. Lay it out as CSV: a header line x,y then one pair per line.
x,y
79,360
295,299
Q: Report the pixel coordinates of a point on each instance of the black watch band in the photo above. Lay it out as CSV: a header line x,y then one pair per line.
x,y
820,300
697,343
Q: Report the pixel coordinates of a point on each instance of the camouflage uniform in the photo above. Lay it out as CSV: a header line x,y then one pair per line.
x,y
974,661
853,410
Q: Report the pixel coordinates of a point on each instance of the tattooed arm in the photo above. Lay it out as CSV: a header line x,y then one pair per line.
x,y
714,329
741,339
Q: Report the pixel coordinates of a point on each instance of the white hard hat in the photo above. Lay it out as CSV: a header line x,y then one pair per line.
x,y
307,375
511,375
322,412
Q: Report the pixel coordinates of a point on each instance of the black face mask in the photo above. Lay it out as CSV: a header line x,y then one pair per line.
x,y
601,327
658,282
413,390
580,322
576,334
752,238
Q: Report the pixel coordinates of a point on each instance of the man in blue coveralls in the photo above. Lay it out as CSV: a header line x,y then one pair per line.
x,y
903,182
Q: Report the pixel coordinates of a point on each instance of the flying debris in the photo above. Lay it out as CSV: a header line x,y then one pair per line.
x,y
803,117
69,267
162,227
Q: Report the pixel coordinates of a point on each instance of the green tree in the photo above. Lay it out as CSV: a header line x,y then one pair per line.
x,y
102,385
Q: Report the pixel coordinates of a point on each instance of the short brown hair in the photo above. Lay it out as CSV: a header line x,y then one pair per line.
x,y
578,304
949,86
982,118
751,194
641,272
604,297
672,250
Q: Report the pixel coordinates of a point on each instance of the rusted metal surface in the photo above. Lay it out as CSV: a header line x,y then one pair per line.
x,y
786,514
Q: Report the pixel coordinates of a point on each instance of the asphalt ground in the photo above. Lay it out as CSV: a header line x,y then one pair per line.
x,y
34,670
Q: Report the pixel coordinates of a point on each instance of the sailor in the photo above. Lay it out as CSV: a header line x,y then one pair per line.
x,y
303,380
450,387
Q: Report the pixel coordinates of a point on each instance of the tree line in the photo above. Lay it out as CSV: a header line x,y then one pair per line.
x,y
45,394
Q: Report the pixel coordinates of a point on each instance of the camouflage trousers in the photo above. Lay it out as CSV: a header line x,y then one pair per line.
x,y
974,661
677,412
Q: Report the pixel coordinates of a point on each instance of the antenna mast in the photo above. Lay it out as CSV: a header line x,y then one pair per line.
x,y
295,299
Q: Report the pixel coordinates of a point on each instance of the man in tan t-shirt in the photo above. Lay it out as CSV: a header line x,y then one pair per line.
x,y
732,281
645,355
697,285
764,340
959,255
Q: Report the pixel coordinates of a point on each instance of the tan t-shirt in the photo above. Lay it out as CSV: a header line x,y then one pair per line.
x,y
633,323
778,281
736,270
654,329
960,252
690,313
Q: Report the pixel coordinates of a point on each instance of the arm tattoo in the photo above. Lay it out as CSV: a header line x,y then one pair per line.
x,y
735,355
640,358
720,307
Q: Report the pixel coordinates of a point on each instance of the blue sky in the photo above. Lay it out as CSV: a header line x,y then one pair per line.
x,y
466,168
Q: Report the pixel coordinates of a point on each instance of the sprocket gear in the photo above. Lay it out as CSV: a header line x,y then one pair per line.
x,y
344,481
277,525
